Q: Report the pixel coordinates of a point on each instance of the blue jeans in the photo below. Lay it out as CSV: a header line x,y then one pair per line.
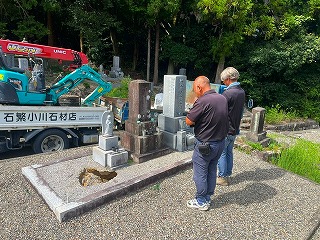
x,y
225,163
205,170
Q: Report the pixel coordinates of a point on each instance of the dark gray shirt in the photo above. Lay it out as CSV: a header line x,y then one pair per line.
x,y
236,98
210,115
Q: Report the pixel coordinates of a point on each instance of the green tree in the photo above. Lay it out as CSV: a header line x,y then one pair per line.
x,y
229,18
280,64
133,36
18,18
94,21
50,7
160,12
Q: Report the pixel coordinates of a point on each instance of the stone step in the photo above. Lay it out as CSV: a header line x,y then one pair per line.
x,y
245,125
246,120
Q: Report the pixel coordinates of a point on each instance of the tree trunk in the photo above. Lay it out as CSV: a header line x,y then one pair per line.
x,y
135,54
148,57
219,69
156,55
115,43
170,69
50,28
81,41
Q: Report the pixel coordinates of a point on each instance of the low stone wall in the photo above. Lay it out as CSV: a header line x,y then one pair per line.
x,y
266,155
294,126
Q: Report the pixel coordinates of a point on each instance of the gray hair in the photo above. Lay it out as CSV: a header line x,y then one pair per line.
x,y
230,72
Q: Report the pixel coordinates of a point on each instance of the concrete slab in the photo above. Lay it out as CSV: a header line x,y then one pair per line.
x,y
58,182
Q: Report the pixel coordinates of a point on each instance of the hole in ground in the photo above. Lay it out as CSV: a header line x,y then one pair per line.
x,y
92,176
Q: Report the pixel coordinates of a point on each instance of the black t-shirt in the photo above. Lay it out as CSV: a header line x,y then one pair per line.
x,y
210,115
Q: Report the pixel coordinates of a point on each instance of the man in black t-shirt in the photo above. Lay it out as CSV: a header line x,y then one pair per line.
x,y
236,98
209,116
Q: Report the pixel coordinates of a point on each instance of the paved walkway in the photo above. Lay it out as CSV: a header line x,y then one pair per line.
x,y
263,202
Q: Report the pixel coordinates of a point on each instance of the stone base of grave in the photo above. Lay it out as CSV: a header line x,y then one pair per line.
x,y
170,139
143,148
256,137
141,144
108,143
140,158
147,127
171,124
180,141
259,138
110,158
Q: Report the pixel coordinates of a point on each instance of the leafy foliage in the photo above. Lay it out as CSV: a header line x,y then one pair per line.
x,y
185,46
274,44
20,23
283,72
122,91
30,29
230,20
276,115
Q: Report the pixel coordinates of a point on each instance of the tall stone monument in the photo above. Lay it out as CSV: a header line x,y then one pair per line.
x,y
257,134
141,137
115,69
172,122
108,152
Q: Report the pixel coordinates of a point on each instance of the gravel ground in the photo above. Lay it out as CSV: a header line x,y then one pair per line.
x,y
263,202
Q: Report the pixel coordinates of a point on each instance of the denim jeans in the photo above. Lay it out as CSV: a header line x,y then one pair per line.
x,y
225,163
205,170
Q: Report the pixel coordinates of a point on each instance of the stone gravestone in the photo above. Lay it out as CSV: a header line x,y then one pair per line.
x,y
172,121
257,134
108,153
182,71
141,137
115,69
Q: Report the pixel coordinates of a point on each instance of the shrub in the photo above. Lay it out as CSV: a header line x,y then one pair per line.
x,y
122,91
276,114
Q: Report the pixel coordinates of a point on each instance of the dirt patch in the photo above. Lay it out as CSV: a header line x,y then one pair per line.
x,y
92,176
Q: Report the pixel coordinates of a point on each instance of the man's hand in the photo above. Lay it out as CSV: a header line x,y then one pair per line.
x,y
189,122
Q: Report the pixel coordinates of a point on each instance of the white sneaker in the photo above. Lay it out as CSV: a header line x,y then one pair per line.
x,y
194,204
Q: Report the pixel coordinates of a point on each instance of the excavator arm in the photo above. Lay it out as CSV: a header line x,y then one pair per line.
x,y
42,51
73,79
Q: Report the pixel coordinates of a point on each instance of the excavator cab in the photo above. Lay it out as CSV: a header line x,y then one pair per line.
x,y
17,88
11,81
37,80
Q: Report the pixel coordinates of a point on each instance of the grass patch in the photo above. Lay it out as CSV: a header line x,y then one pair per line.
x,y
156,187
130,161
303,158
276,115
273,145
255,146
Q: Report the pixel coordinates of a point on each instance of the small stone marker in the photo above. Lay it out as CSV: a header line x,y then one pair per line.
x,y
256,133
182,71
108,153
